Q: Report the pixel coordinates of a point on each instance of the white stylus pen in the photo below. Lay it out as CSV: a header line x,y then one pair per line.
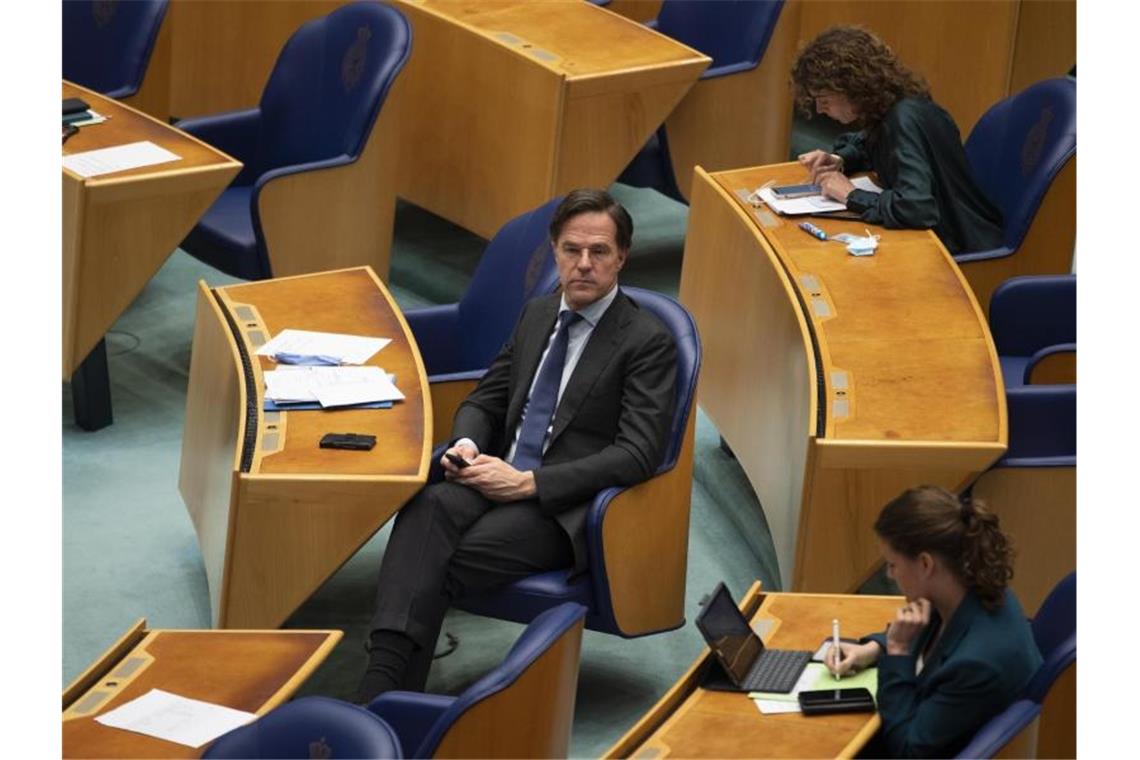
x,y
835,643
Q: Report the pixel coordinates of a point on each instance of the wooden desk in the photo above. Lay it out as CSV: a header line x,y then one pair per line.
x,y
253,671
692,722
504,105
275,514
838,381
119,228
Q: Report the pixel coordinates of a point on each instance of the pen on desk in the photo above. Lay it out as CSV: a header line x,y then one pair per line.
x,y
812,230
835,643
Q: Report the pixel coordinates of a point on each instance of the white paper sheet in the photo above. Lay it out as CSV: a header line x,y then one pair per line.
x,y
332,386
349,349
190,722
812,204
92,163
773,707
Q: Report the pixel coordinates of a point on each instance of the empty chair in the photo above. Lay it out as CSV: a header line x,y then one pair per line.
x,y
1011,733
317,190
1023,153
459,340
108,47
635,584
738,113
310,727
1034,324
1054,687
522,708
1033,488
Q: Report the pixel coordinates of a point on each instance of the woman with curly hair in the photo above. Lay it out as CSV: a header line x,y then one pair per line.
x,y
914,146
960,650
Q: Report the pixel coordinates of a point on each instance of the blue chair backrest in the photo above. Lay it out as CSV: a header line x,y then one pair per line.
x,y
107,45
1019,146
517,265
731,32
328,84
1055,631
680,323
1042,426
1000,729
310,727
1029,313
539,636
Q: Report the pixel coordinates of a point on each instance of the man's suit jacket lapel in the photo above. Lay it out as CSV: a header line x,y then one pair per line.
x,y
532,343
598,353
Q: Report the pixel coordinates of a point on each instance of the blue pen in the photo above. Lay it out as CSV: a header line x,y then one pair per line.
x,y
812,230
307,360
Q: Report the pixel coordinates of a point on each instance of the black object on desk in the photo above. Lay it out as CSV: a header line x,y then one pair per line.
x,y
827,701
351,441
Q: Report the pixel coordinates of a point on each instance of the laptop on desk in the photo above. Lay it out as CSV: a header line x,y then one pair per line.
x,y
746,663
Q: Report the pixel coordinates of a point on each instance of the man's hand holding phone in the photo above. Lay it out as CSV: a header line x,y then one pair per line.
x,y
457,458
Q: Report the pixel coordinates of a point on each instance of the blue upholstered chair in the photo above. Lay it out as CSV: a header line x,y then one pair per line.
x,y
735,34
1023,153
635,584
1012,730
459,340
522,708
317,189
107,46
1034,324
310,727
1054,687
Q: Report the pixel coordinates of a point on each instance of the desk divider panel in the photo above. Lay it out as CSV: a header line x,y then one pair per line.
x,y
758,378
275,514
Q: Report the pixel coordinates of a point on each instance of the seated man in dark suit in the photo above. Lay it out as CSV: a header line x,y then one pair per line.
x,y
579,399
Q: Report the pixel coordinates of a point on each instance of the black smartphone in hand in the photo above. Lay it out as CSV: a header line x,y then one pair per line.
x,y
457,460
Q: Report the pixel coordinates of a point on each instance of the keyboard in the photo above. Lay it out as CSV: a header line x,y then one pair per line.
x,y
776,670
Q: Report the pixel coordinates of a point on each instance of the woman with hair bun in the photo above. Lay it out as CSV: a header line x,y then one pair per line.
x,y
960,650
914,146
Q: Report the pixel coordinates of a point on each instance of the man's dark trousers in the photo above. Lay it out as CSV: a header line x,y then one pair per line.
x,y
489,545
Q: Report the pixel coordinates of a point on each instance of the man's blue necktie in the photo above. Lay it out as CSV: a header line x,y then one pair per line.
x,y
543,398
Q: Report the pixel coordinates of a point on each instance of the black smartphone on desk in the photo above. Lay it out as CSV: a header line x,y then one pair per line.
x,y
350,441
790,192
825,701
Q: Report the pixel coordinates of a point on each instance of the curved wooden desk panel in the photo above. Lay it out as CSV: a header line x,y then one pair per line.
x,y
253,671
693,722
1048,245
119,228
537,99
758,363
889,380
275,514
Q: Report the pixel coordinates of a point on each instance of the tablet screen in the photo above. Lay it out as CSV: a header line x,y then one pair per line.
x,y
728,634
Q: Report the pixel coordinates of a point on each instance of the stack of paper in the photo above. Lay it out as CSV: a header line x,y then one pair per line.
x,y
812,204
815,676
308,347
330,386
